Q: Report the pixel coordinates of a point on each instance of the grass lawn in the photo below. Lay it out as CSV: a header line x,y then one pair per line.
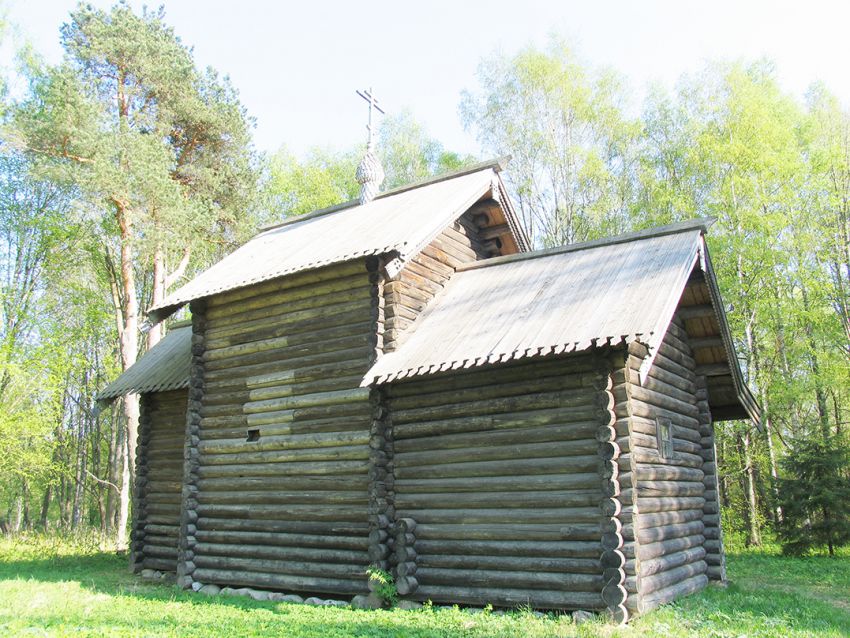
x,y
58,590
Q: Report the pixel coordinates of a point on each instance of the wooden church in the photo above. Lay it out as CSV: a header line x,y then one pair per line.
x,y
402,383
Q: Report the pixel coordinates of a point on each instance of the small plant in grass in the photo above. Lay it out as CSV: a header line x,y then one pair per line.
x,y
382,584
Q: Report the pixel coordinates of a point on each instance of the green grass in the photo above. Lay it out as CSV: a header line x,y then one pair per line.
x,y
62,589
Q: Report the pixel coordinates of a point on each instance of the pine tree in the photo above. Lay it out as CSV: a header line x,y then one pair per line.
x,y
814,495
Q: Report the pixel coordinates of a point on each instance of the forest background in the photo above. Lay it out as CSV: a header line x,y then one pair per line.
x,y
125,169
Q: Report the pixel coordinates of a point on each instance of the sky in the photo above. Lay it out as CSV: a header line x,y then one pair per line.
x,y
297,64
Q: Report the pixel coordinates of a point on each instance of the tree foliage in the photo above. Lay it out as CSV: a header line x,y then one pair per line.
x,y
814,493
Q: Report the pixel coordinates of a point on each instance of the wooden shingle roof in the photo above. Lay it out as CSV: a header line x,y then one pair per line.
x,y
398,222
163,367
549,302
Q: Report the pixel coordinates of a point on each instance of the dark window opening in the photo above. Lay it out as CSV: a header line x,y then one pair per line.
x,y
254,435
664,434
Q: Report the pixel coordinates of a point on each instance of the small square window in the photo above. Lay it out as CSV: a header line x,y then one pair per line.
x,y
253,435
664,434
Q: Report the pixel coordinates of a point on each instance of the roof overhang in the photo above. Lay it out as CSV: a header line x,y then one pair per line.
x,y
441,205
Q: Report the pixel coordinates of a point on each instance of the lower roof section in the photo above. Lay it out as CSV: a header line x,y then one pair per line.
x,y
551,302
163,367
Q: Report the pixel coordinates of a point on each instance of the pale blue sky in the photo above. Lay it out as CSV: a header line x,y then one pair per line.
x,y
297,64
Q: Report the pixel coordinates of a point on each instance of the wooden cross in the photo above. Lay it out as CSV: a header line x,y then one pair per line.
x,y
373,103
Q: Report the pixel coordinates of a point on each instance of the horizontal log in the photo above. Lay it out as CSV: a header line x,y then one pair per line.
x,y
343,453
428,576
664,401
666,504
499,562
350,468
343,355
481,516
665,363
307,278
565,449
338,513
516,483
668,532
490,376
565,555
265,554
652,457
471,500
669,352
661,548
684,384
532,418
357,529
498,437
648,427
517,539
509,597
280,498
162,530
285,442
505,467
303,414
161,551
321,568
347,419
307,400
647,472
282,304
553,382
670,561
509,404
669,488
298,378
281,539
656,582
313,584
268,483
271,344
160,564
285,355
659,519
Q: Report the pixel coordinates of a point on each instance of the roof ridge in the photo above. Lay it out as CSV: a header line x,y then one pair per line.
x,y
497,164
700,223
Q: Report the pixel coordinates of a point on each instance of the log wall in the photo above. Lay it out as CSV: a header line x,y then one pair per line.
x,y
715,556
283,433
426,274
159,474
496,484
667,497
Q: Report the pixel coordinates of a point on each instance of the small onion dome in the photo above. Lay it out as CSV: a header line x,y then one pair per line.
x,y
370,176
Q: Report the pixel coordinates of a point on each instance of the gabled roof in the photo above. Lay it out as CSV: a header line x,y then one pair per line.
x,y
568,299
163,367
401,221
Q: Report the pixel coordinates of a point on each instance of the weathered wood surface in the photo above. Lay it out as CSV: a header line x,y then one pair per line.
x,y
426,274
159,469
500,471
287,507
669,493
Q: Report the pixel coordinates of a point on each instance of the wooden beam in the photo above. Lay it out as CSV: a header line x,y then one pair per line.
x,y
706,342
696,312
713,369
495,232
